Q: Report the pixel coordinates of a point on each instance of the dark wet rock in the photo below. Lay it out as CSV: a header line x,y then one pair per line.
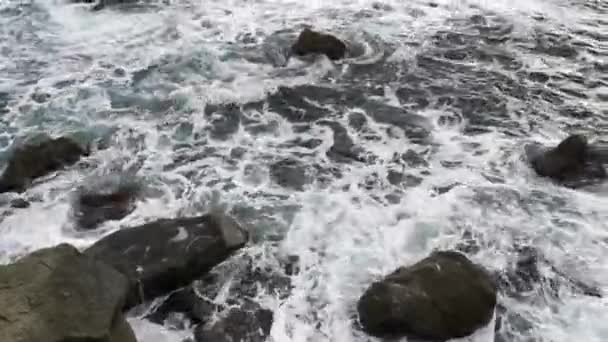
x,y
292,104
224,120
167,254
37,158
538,77
441,297
306,143
40,97
556,47
569,163
399,179
343,149
413,159
186,302
415,96
357,121
59,294
228,293
289,173
524,277
312,42
238,324
511,326
440,190
415,127
120,72
105,198
20,203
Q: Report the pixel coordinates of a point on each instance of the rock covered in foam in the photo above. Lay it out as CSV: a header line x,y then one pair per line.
x,y
312,42
37,157
224,304
441,297
59,294
162,256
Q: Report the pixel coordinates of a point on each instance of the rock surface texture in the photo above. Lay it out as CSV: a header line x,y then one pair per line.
x,y
441,297
573,162
38,158
312,42
60,295
162,256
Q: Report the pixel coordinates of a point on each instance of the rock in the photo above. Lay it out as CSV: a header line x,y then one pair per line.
x,y
224,301
343,149
59,294
186,302
162,256
289,173
238,324
38,158
105,198
441,297
571,163
524,276
312,42
20,203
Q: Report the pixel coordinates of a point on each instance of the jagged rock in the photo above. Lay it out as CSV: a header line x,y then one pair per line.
x,y
58,294
312,42
223,302
572,163
250,324
441,297
162,256
105,198
37,158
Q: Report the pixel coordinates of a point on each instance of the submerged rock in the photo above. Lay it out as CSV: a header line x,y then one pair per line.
x,y
289,173
162,256
525,276
572,162
441,297
238,324
312,42
20,203
38,158
105,198
59,294
223,303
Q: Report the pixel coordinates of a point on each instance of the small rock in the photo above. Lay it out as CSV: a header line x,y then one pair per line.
x,y
120,72
36,159
312,42
105,198
20,203
239,324
290,174
441,297
41,97
570,163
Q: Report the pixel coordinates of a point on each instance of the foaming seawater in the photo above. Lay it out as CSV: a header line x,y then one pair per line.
x,y
412,143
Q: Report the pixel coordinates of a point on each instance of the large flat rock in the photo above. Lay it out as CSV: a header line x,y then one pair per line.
x,y
165,255
58,294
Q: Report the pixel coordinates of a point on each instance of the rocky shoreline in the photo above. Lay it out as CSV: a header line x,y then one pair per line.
x,y
62,294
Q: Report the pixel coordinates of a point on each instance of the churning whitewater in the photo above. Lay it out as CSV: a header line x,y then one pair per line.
x,y
341,170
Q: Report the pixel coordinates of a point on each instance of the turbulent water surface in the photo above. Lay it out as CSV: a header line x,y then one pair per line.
x,y
412,143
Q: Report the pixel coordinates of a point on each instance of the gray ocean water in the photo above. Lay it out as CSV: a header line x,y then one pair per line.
x,y
355,167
